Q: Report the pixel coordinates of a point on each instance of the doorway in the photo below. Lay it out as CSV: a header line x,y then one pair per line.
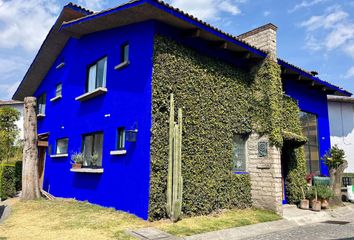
x,y
42,151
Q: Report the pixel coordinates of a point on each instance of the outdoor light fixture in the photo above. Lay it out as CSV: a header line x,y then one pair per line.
x,y
131,134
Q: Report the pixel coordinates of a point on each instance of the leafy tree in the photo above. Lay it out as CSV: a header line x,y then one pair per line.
x,y
8,132
334,157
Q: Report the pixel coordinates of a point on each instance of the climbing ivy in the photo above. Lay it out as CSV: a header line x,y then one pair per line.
x,y
218,100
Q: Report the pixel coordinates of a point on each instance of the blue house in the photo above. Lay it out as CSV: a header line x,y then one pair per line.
x,y
100,82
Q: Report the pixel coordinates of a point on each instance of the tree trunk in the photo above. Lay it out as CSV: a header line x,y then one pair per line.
x,y
30,186
336,181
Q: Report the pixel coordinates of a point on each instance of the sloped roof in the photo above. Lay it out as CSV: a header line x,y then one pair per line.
x,y
85,22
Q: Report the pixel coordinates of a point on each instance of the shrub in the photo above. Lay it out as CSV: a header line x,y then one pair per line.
x,y
18,175
7,181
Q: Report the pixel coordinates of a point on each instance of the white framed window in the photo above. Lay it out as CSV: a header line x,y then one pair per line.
x,y
92,149
41,103
97,74
58,89
125,53
121,138
239,153
61,146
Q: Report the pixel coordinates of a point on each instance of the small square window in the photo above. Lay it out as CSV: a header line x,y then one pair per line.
x,y
97,74
62,146
125,53
41,104
58,90
239,153
121,139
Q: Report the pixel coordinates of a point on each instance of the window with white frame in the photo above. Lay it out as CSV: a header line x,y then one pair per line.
x,y
62,146
92,149
58,89
41,103
239,153
121,139
125,53
97,74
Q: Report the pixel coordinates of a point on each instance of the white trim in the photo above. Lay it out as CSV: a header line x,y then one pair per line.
x,y
56,98
94,93
118,152
121,65
62,64
59,155
40,115
87,170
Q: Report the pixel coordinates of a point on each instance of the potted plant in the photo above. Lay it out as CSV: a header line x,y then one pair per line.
x,y
304,203
324,194
77,160
316,204
94,160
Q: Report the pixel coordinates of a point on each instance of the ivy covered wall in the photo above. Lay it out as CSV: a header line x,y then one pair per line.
x,y
218,100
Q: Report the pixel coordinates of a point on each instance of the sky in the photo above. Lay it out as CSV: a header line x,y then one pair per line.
x,y
312,34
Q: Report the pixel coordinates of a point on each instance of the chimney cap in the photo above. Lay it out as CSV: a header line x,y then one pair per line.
x,y
258,30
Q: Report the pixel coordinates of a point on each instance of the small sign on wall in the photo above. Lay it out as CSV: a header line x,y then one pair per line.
x,y
262,149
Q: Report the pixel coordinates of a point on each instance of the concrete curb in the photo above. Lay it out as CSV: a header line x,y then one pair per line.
x,y
5,211
307,217
245,232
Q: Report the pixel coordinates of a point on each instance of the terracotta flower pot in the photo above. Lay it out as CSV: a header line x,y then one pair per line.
x,y
76,165
324,203
304,204
316,206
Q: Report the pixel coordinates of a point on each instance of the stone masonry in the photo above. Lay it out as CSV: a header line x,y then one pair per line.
x,y
265,173
264,38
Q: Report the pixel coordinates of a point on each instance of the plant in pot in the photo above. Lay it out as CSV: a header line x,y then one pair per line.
x,y
76,160
324,194
316,204
304,203
94,160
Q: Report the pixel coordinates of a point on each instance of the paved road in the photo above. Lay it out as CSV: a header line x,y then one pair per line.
x,y
316,231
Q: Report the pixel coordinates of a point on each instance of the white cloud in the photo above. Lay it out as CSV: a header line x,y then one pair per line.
x,y
228,7
340,35
94,5
266,13
350,73
334,28
305,4
26,23
325,21
8,89
208,9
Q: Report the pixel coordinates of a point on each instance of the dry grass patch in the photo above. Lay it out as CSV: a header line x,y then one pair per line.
x,y
70,219
223,220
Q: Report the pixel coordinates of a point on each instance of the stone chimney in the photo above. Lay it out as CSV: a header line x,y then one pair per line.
x,y
264,38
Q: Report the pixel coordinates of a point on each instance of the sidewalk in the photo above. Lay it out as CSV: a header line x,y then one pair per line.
x,y
293,217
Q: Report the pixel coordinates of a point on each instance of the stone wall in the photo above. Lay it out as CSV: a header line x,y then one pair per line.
x,y
265,173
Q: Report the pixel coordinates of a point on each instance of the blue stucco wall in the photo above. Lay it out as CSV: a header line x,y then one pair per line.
x,y
313,101
124,184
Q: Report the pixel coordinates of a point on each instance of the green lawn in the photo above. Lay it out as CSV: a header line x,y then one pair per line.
x,y
70,219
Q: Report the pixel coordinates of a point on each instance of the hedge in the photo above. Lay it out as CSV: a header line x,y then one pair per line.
x,y
218,101
7,181
10,179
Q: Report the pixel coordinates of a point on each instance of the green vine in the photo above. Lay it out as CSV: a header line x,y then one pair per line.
x,y
218,100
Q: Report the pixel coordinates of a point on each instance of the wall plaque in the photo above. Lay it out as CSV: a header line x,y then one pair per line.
x,y
262,149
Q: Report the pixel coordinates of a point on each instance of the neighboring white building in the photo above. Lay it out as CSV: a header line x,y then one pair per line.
x,y
19,107
341,118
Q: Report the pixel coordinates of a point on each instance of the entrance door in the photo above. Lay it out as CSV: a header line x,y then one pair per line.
x,y
285,161
42,149
41,165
